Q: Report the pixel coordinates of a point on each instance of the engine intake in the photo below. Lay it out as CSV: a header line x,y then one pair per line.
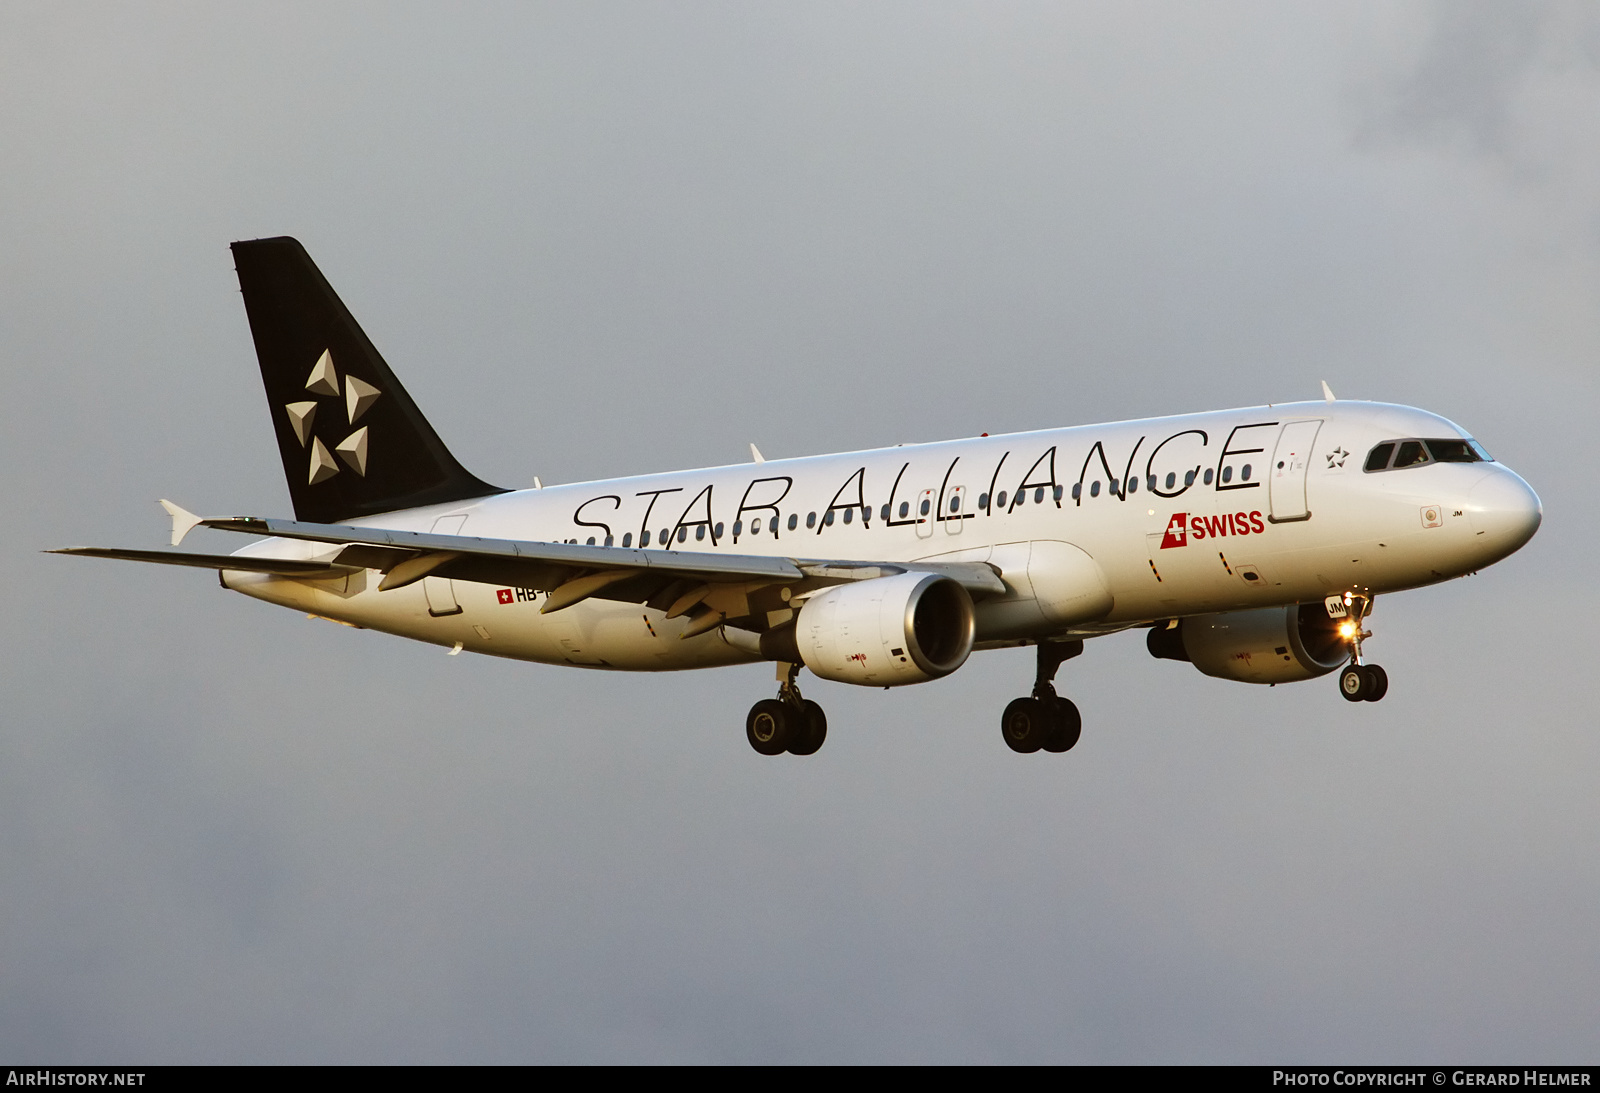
x,y
1263,645
885,632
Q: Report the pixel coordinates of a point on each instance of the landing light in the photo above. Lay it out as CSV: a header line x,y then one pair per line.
x,y
1346,629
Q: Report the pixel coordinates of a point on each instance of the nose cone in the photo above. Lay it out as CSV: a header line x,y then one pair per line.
x,y
1504,511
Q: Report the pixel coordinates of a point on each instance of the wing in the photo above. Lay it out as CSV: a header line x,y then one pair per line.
x,y
750,591
282,567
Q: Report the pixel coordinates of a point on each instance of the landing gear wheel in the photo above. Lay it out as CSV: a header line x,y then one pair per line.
x,y
770,726
1025,725
812,731
1066,726
1355,683
1377,682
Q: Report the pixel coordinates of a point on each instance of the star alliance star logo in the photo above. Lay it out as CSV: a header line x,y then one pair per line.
x,y
358,399
1336,458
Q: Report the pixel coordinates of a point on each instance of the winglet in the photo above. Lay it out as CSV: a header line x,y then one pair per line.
x,y
183,521
1327,392
755,453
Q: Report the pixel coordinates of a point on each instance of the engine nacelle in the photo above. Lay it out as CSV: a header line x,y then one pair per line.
x,y
887,631
1264,645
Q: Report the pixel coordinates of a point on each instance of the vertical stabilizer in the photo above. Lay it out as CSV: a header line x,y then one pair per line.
x,y
352,441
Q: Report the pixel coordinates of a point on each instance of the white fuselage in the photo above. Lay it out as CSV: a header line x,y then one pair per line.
x,y
1250,508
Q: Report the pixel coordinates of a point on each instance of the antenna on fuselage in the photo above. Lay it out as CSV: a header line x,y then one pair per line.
x,y
755,453
1327,392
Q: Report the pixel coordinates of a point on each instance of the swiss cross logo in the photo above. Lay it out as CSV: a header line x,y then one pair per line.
x,y
1177,531
504,595
1185,527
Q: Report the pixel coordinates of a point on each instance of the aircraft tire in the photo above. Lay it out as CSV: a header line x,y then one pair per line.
x,y
813,731
1065,728
769,726
1377,682
1354,683
1025,725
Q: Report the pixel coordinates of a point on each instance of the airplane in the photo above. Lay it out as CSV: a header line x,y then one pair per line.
x,y
1251,543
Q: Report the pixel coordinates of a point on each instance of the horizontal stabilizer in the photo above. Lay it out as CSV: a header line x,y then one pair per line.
x,y
282,567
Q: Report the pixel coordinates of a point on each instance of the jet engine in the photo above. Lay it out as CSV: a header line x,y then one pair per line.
x,y
882,632
1264,645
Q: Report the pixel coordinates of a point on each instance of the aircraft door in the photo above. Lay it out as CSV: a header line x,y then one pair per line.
x,y
1286,478
925,514
955,510
441,591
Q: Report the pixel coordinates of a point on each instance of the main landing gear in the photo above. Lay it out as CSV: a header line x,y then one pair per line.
x,y
1360,682
1044,720
787,723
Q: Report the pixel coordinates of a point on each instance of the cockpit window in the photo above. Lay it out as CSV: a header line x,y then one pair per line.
x,y
1410,454
1392,455
1453,451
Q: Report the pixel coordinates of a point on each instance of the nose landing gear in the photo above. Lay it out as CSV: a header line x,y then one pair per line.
x,y
1360,682
1044,720
787,723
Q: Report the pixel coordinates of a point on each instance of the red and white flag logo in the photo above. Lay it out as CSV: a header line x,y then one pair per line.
x,y
1177,531
503,595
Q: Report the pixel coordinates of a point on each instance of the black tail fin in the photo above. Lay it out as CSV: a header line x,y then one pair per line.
x,y
353,443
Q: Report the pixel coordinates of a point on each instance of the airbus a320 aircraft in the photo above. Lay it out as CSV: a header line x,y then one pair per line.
x,y
1250,543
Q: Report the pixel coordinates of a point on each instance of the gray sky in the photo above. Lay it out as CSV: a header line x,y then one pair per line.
x,y
596,240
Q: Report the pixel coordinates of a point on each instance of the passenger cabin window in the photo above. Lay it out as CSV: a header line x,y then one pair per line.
x,y
794,521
